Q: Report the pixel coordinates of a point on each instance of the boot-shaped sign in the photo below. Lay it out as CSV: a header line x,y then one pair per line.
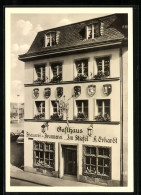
x,y
107,89
47,92
59,91
77,91
36,93
91,90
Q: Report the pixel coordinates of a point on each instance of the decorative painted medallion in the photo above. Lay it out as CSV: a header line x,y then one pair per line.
x,y
59,91
77,91
47,92
36,93
91,90
107,89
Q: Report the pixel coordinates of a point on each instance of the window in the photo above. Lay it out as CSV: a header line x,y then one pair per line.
x,y
50,39
103,65
103,110
82,67
57,111
92,31
40,73
57,71
55,106
97,161
43,154
39,110
82,109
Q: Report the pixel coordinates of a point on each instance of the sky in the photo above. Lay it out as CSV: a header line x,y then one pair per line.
x,y
24,28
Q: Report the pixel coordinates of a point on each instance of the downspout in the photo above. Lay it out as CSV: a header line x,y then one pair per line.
x,y
121,116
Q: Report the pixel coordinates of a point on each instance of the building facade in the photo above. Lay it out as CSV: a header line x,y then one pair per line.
x,y
75,121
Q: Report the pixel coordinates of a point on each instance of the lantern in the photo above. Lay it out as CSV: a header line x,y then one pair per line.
x,y
90,130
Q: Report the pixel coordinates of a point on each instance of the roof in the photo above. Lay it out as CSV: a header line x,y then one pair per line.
x,y
73,35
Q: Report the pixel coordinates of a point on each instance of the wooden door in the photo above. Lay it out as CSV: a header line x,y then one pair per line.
x,y
70,162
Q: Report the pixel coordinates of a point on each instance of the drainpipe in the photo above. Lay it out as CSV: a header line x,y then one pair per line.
x,y
121,117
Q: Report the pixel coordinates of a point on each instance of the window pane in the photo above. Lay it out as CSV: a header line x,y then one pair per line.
x,y
53,38
100,151
100,161
106,152
51,155
88,150
87,160
89,31
47,155
93,160
93,150
100,170
51,146
96,30
107,171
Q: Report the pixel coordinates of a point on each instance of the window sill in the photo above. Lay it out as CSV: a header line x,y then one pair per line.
x,y
73,121
73,82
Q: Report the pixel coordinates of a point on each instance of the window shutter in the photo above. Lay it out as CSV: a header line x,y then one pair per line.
x,y
34,74
94,67
86,32
50,109
50,73
90,69
96,26
95,109
102,28
74,70
74,108
57,37
34,108
45,41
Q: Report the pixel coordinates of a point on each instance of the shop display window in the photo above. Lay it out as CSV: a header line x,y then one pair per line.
x,y
43,154
97,161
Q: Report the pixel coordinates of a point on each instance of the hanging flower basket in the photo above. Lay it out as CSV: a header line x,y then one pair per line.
x,y
39,80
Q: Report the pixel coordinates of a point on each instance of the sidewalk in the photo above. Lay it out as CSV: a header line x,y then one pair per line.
x,y
17,173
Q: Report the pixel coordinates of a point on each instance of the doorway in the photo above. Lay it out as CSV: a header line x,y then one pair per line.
x,y
70,160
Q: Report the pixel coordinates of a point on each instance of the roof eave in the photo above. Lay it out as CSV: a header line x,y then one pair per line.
x,y
36,55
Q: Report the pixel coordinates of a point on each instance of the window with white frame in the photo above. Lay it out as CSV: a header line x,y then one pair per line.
x,y
97,161
50,39
56,71
82,109
103,65
103,109
39,112
82,67
44,154
93,31
55,106
40,73
57,112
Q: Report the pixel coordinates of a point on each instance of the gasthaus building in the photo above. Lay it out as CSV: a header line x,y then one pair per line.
x,y
76,101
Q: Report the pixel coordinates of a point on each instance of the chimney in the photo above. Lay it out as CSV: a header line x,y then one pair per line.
x,y
102,29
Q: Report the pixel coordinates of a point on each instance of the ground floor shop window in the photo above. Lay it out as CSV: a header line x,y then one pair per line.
x,y
44,154
97,161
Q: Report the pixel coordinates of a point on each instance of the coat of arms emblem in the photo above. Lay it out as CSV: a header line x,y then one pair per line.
x,y
77,91
36,93
59,91
47,92
91,90
107,89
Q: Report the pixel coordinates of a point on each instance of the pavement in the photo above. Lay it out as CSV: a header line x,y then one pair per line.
x,y
18,174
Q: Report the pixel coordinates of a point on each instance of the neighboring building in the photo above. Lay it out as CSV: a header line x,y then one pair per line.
x,y
76,101
14,110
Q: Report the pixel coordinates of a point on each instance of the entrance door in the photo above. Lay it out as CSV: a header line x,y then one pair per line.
x,y
70,161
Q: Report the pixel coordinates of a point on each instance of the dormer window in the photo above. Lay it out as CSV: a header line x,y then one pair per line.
x,y
92,31
50,39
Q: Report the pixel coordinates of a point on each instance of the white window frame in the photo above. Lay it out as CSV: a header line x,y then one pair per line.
x,y
50,39
82,105
103,63
103,107
41,66
92,30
